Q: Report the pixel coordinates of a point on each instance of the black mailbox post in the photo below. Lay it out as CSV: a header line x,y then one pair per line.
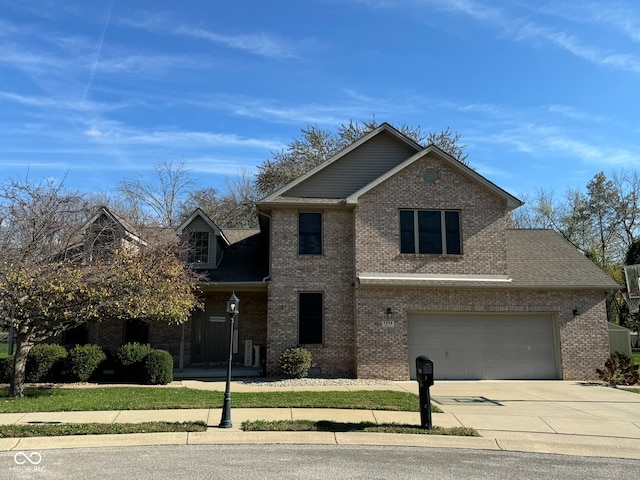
x,y
424,375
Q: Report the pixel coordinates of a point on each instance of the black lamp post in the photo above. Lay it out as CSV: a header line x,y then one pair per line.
x,y
233,310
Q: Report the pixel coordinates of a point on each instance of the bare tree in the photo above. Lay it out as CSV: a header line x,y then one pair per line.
x,y
234,209
157,199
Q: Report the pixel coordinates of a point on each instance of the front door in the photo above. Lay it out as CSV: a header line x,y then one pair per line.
x,y
209,337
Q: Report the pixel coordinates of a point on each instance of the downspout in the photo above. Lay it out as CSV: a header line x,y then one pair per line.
x,y
268,277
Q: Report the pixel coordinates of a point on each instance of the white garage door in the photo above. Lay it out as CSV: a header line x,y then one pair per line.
x,y
476,346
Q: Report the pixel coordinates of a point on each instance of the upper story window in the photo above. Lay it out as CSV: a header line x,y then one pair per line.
x,y
198,247
430,232
309,233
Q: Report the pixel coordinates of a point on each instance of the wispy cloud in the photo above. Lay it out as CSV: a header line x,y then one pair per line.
x,y
587,52
262,44
555,23
115,133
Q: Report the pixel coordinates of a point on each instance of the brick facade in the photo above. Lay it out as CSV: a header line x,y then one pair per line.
x,y
383,353
367,239
330,273
110,333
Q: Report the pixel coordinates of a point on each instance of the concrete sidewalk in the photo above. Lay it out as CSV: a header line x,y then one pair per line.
x,y
545,416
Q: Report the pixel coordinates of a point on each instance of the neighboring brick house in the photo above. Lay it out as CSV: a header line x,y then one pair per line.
x,y
235,260
390,250
385,252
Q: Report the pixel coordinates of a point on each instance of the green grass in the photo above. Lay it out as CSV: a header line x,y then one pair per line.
x,y
149,398
636,357
329,426
4,349
19,431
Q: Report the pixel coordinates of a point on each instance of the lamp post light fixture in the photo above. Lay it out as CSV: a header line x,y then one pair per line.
x,y
233,310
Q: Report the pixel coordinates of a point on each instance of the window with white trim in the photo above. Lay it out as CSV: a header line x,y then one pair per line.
x,y
430,232
198,247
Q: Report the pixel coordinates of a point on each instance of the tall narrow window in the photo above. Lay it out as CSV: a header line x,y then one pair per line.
x,y
310,318
433,232
407,232
452,229
309,233
198,247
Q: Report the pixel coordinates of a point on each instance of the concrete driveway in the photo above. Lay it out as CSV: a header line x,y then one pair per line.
x,y
548,416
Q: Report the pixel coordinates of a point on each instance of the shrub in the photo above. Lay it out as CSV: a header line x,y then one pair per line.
x,y
6,369
159,367
45,362
295,362
619,370
132,357
84,360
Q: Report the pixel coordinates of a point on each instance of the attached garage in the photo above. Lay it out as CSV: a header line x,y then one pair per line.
x,y
471,346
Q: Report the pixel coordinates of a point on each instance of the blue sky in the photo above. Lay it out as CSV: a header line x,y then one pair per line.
x,y
544,93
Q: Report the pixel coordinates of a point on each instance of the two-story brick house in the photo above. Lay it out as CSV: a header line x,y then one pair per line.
x,y
385,252
389,251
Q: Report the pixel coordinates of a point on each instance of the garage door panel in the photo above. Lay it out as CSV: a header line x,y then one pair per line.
x,y
471,346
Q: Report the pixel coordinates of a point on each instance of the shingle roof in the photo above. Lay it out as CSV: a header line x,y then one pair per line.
x,y
245,260
536,259
543,258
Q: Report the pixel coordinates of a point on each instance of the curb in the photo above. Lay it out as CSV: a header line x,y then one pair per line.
x,y
531,443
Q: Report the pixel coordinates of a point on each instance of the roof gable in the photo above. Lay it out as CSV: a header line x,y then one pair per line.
x,y
125,229
351,168
511,201
198,213
365,164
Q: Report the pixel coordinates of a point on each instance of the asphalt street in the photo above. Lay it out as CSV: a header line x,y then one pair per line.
x,y
283,462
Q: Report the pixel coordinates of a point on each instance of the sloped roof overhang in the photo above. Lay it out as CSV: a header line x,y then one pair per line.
x,y
511,201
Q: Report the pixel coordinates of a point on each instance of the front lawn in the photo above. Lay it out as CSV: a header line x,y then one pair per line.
x,y
149,398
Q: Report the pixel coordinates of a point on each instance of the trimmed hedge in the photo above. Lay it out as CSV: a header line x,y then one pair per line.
x,y
295,362
45,362
6,369
83,361
132,358
159,367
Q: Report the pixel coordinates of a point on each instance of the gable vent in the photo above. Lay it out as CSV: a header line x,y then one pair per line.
x,y
430,176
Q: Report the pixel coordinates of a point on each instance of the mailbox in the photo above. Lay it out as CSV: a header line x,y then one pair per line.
x,y
424,375
424,371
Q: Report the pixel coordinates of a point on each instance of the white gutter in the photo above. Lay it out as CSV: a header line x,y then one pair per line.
x,y
432,277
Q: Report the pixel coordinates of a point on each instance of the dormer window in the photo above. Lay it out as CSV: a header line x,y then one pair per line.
x,y
198,247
